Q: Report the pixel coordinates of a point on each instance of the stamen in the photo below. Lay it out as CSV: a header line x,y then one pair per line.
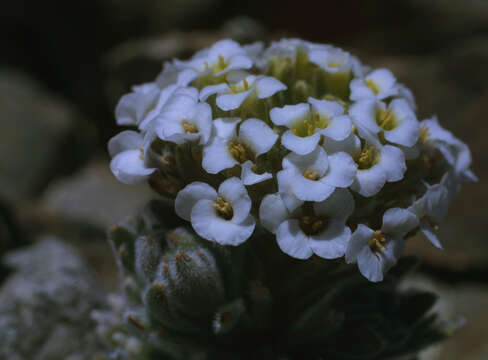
x,y
141,155
223,208
311,175
334,64
240,151
367,158
246,84
189,128
424,134
312,225
372,85
377,242
386,119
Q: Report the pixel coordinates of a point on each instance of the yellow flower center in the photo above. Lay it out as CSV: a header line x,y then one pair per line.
x,y
368,157
424,134
309,124
377,242
189,128
372,85
311,175
312,225
240,88
240,151
223,208
219,66
386,119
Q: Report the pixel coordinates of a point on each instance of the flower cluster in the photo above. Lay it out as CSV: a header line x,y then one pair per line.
x,y
300,139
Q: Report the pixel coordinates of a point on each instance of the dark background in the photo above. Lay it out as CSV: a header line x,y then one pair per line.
x,y
65,64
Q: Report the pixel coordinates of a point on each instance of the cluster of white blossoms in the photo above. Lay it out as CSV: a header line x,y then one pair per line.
x,y
300,139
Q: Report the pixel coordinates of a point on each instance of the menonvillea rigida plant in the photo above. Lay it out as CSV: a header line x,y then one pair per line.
x,y
284,164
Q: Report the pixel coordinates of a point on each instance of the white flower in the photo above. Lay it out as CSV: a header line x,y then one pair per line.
x,y
377,251
307,122
376,165
230,146
223,216
172,74
396,121
319,229
430,210
288,48
378,85
142,105
455,152
222,57
231,96
127,150
313,177
332,60
184,119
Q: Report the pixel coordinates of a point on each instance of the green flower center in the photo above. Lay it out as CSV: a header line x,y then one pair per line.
x,y
386,119
308,125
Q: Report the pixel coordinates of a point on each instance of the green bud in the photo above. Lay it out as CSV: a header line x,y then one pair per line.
x,y
147,257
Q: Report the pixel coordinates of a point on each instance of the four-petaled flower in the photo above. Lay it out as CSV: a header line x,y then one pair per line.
x,y
222,216
377,251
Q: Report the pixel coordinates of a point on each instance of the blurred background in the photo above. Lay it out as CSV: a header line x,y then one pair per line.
x,y
65,64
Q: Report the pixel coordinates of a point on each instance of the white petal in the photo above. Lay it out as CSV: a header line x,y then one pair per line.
x,y
288,114
268,86
359,239
129,168
272,212
216,157
369,182
203,121
370,265
258,135
326,108
232,101
190,195
237,62
225,128
125,140
132,107
385,81
249,177
213,89
308,190
300,145
332,243
408,129
339,128
292,240
235,192
340,205
392,161
430,234
398,222
316,161
284,186
359,90
210,226
363,114
350,145
342,170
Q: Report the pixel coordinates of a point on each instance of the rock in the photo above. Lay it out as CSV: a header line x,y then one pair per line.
x,y
94,196
39,136
45,305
